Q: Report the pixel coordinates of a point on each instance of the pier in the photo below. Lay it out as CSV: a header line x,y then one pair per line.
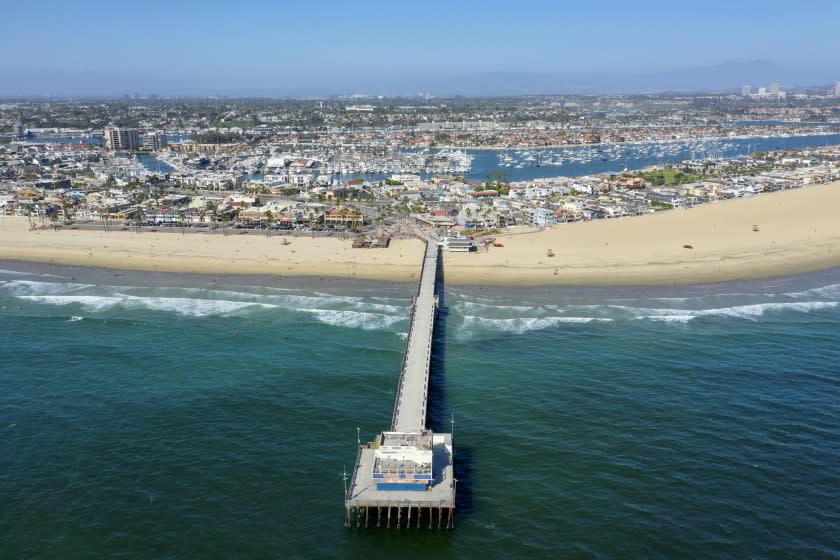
x,y
405,477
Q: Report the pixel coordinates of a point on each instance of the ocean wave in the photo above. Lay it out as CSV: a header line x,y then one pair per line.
x,y
605,313
829,292
202,302
36,288
669,318
353,319
181,306
520,325
89,303
314,300
193,307
474,305
750,311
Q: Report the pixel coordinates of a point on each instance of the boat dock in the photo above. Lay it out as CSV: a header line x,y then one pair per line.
x,y
406,475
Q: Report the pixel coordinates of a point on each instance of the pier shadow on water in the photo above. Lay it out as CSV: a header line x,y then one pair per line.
x,y
438,411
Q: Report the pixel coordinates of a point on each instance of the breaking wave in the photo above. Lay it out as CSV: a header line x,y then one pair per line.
x,y
339,310
521,325
354,319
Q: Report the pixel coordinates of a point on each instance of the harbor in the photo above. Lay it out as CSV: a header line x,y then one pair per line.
x,y
405,476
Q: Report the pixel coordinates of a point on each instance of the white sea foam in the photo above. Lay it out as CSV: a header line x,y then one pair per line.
x,y
89,303
191,307
74,318
751,311
521,325
21,273
353,319
827,292
201,302
669,318
181,306
475,306
35,288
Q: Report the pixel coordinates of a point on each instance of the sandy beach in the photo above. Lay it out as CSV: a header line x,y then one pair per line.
x,y
204,253
798,232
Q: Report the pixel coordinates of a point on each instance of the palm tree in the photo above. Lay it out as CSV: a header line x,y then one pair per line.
x,y
54,217
269,219
358,218
212,207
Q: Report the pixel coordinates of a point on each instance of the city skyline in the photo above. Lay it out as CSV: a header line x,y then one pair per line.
x,y
323,48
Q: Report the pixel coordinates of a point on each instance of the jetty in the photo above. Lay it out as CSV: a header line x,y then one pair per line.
x,y
405,477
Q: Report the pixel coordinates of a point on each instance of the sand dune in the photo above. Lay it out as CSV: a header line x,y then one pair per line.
x,y
799,231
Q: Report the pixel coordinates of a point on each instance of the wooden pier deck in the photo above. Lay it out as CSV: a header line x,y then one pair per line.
x,y
412,393
406,475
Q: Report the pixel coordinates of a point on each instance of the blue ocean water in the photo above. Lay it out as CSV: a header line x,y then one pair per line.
x,y
144,421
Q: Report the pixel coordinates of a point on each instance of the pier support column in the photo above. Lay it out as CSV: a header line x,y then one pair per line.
x,y
367,516
347,518
452,525
389,517
399,516
378,515
408,520
358,517
440,515
448,518
431,516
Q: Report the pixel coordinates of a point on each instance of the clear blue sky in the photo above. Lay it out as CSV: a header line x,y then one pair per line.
x,y
330,44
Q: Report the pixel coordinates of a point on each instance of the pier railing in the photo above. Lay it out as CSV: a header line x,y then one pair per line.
x,y
402,365
405,503
353,474
414,299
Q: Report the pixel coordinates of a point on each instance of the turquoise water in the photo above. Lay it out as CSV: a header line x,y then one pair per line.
x,y
143,421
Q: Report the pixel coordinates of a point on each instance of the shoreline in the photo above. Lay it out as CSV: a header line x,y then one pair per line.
x,y
99,276
798,234
633,142
354,287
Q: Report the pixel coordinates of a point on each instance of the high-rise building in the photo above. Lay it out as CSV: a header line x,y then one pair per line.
x,y
155,141
775,88
122,138
17,131
746,90
837,89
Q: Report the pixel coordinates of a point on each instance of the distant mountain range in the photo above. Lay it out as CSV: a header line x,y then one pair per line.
x,y
725,77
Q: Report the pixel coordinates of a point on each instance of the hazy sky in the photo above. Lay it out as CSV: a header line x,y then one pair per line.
x,y
332,44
